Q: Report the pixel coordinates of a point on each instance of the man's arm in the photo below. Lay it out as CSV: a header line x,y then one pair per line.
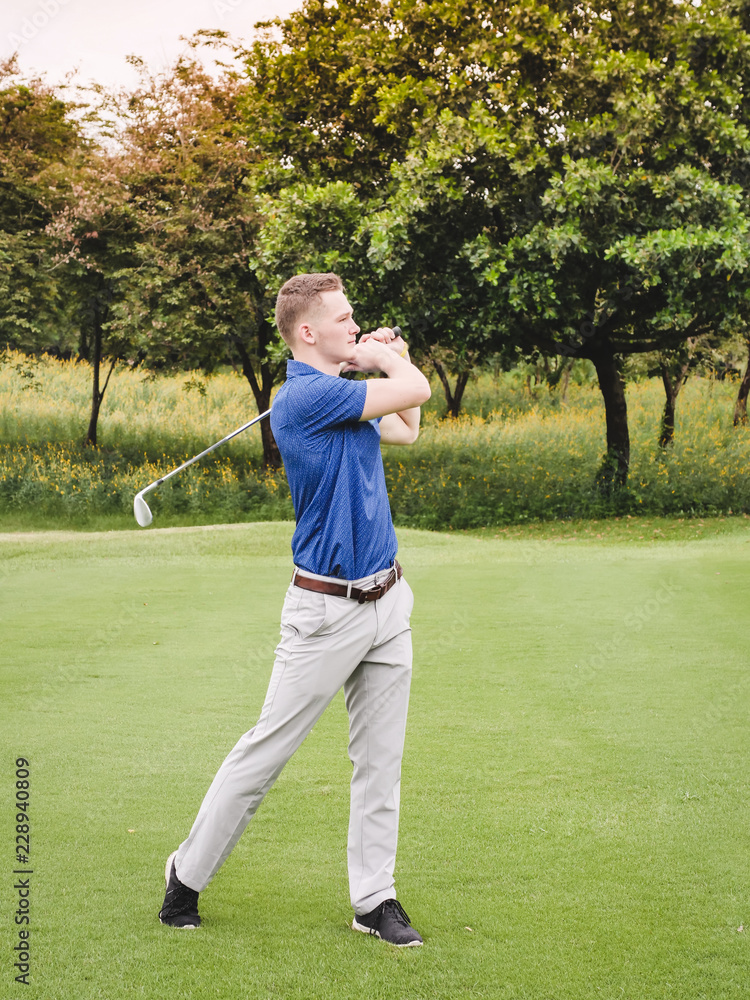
x,y
401,427
396,398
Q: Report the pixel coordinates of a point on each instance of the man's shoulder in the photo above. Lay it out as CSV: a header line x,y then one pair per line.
x,y
305,378
311,394
301,387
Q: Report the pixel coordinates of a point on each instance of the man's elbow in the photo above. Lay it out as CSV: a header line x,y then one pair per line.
x,y
422,393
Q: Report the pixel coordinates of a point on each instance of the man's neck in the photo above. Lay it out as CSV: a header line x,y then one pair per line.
x,y
313,359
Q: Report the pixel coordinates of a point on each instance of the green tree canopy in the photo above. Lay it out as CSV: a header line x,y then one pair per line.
x,y
546,177
196,299
38,135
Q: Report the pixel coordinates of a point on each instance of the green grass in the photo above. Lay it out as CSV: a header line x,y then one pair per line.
x,y
575,788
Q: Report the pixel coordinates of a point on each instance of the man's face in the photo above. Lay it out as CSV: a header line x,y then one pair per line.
x,y
333,328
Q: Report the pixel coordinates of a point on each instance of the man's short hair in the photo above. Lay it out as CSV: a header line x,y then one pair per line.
x,y
299,297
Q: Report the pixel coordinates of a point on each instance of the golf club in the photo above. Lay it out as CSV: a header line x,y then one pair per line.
x,y
143,515
141,509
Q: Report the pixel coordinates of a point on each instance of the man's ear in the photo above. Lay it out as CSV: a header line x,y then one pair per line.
x,y
305,334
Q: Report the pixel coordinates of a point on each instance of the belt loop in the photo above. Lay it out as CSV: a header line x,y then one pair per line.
x,y
348,588
294,575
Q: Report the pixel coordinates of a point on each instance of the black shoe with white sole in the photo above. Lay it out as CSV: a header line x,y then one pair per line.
x,y
180,908
390,923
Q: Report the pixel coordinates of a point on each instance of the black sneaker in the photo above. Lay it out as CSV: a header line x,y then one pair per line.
x,y
390,923
180,907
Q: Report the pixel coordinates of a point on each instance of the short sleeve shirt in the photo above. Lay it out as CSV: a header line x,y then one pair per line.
x,y
335,473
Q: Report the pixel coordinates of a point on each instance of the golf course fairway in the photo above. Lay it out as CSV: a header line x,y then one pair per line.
x,y
574,802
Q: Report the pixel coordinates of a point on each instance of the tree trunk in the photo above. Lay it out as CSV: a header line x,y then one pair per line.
x,y
96,396
271,453
262,395
453,397
672,391
614,469
558,379
84,348
740,407
565,382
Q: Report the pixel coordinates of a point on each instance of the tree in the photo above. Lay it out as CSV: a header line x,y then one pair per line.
x,y
196,296
93,236
628,248
353,92
740,406
666,281
562,178
38,135
64,233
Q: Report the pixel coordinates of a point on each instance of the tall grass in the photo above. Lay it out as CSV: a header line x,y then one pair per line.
x,y
541,462
518,453
45,401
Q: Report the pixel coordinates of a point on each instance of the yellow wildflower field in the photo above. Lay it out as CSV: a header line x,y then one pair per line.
x,y
518,453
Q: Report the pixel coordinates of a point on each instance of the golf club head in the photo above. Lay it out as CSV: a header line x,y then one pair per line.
x,y
143,515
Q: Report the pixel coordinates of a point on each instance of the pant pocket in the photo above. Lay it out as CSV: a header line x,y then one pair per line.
x,y
304,612
336,610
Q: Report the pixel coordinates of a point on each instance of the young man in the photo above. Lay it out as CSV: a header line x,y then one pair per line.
x,y
345,620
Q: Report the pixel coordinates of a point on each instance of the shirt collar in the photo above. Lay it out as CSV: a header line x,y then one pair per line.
x,y
300,368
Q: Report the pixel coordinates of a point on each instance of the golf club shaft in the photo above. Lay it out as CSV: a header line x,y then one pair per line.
x,y
158,482
163,479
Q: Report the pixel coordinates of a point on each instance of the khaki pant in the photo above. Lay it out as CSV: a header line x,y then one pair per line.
x,y
326,643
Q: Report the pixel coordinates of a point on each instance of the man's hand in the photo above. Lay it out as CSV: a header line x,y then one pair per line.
x,y
386,336
374,352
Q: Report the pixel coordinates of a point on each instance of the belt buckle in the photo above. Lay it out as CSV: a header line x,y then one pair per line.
x,y
373,594
376,592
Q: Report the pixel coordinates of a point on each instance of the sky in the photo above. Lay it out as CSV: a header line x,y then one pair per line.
x,y
53,37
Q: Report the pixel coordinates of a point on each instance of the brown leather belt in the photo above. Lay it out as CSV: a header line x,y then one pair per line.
x,y
343,589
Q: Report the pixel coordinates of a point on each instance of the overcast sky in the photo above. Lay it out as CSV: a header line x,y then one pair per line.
x,y
56,36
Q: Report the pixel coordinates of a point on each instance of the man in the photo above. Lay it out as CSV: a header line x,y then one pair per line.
x,y
345,620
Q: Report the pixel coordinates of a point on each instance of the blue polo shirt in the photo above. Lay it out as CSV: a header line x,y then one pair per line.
x,y
335,473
